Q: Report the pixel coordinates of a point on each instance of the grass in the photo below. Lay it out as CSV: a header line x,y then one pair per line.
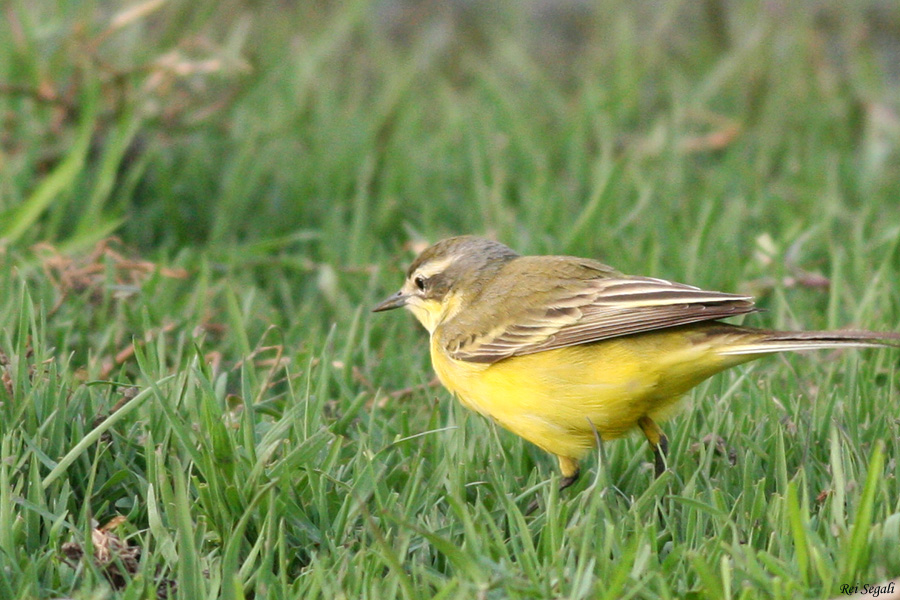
x,y
214,392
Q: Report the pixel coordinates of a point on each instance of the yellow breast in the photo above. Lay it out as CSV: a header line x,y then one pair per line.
x,y
555,399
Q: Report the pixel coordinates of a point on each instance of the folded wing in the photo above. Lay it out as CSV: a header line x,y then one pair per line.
x,y
578,310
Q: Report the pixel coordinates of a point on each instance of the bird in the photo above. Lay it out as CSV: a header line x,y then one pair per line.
x,y
562,350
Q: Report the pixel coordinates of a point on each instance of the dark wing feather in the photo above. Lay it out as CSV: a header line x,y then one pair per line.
x,y
576,306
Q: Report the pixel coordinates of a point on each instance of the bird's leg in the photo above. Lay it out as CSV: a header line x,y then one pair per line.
x,y
658,442
570,471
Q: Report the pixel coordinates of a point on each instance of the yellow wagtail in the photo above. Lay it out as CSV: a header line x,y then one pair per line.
x,y
558,349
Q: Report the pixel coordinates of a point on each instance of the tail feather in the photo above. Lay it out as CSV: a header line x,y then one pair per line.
x,y
791,341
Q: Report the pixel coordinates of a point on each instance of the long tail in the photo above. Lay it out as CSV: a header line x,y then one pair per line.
x,y
789,341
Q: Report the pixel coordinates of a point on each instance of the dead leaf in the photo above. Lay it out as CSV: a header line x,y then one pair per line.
x,y
115,558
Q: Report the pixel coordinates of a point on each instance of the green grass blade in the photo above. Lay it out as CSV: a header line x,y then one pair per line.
x,y
20,219
95,433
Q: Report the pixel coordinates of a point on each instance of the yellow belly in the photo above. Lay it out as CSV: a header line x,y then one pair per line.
x,y
556,398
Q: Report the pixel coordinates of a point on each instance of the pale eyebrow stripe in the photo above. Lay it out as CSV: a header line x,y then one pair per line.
x,y
432,268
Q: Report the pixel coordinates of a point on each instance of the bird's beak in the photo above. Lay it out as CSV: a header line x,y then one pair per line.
x,y
394,301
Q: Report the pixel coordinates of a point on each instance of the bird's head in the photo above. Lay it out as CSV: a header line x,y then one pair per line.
x,y
447,275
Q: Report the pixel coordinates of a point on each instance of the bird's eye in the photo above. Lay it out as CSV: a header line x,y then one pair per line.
x,y
420,282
